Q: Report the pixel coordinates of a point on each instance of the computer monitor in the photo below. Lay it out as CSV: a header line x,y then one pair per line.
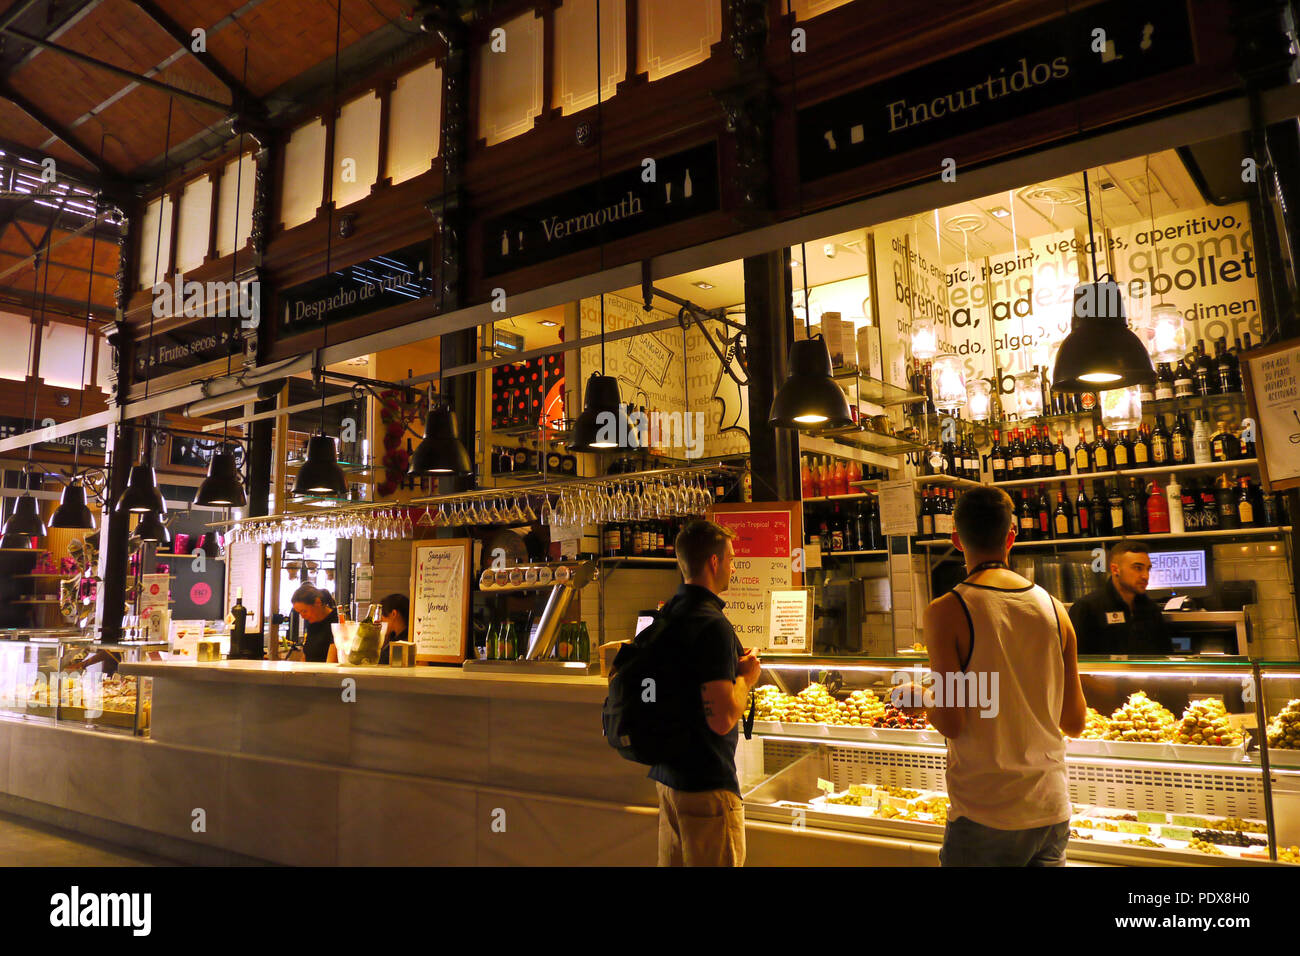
x,y
1184,571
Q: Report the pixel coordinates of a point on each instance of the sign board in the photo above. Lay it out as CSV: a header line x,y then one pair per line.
x,y
440,583
246,570
192,452
92,442
790,620
897,507
622,204
377,283
767,535
178,349
155,594
1270,378
1045,66
1178,570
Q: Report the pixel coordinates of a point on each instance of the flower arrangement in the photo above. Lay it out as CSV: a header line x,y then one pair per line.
x,y
395,413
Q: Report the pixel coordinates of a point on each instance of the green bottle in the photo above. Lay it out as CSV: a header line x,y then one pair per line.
x,y
508,641
583,649
493,630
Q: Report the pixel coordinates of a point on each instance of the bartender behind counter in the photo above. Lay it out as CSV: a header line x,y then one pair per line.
x,y
1119,618
316,607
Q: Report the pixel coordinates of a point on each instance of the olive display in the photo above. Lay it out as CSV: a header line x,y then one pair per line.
x,y
1290,854
1142,720
816,705
1284,729
1145,841
1223,838
1205,722
1203,847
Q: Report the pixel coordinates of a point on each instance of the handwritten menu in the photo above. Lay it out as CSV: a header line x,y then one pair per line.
x,y
1272,380
898,507
791,612
767,535
245,572
440,599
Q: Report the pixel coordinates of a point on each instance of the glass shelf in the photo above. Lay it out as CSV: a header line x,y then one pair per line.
x,y
1157,470
1072,542
878,442
876,391
1233,402
925,480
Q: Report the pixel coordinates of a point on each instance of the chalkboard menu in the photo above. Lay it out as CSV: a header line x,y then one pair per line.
x,y
440,582
769,535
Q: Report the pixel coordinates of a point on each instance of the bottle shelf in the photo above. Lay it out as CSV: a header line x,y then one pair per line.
x,y
1207,467
1231,401
854,554
876,391
869,440
859,496
925,480
1071,542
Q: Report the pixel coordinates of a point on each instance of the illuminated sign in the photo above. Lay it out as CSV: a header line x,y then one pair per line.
x,y
1174,570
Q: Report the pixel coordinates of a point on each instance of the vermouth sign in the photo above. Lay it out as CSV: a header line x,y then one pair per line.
x,y
630,201
1100,47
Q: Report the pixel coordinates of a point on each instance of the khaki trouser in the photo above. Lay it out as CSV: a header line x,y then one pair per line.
x,y
700,829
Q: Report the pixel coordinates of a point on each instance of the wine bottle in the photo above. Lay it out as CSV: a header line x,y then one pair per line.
x,y
1063,518
1116,501
1204,374
1101,451
1164,382
1141,448
1060,455
1133,511
1017,469
1034,456
1044,509
1082,455
1225,364
1027,518
1098,512
1160,451
1226,498
1184,380
1122,450
1246,510
998,458
1181,441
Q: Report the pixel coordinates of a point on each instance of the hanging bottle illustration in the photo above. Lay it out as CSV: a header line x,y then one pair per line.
x,y
519,245
668,194
505,243
688,189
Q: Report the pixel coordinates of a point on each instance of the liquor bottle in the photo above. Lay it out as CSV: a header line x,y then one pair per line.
x,y
877,538
1160,450
1082,455
1101,449
1193,520
974,471
841,477
927,514
1249,508
1063,517
1034,456
1116,501
1246,443
1122,450
1141,448
1060,455
1225,364
1083,513
1098,512
1164,382
237,619
998,458
1157,511
1133,512
855,475
1268,509
1208,507
1225,495
1201,441
1184,380
1224,445
613,541
857,539
1027,517
837,531
1204,373
1044,510
1180,444
806,479
943,522
1174,506
1147,392
1016,470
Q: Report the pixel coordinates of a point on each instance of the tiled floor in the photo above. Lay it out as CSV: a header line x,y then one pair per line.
x,y
27,843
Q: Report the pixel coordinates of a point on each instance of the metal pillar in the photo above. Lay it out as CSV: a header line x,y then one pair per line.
x,y
773,452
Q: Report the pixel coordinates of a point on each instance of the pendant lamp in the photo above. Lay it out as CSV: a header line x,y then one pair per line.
x,y
151,528
26,519
72,511
1101,350
809,398
141,492
440,452
12,540
223,488
320,474
600,408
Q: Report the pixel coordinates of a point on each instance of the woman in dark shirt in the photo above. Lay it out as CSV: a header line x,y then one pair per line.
x,y
394,611
316,607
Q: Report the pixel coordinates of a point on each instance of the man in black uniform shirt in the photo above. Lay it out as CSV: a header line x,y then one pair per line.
x,y
316,607
1119,618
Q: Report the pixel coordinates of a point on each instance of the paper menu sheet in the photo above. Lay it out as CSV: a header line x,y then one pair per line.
x,y
897,507
788,620
438,624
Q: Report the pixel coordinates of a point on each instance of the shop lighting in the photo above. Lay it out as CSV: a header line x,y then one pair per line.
x,y
141,492
1121,408
1168,335
320,473
12,540
925,340
223,488
72,511
999,212
1029,394
548,324
809,398
600,399
703,285
150,527
949,379
26,519
441,451
1101,349
979,399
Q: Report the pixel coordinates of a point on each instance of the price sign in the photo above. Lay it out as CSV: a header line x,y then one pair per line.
x,y
824,784
790,620
440,585
766,535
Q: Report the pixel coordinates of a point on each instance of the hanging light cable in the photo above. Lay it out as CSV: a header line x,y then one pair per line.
x,y
1101,349
26,522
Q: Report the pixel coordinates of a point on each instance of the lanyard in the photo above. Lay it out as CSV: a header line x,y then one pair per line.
x,y
985,566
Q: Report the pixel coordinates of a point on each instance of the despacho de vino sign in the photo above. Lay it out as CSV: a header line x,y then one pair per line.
x,y
622,204
1045,66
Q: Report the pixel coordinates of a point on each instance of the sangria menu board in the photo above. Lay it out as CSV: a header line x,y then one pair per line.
x,y
767,559
440,585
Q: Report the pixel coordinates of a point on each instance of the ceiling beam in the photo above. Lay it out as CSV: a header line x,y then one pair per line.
x,y
243,99
118,71
67,171
50,123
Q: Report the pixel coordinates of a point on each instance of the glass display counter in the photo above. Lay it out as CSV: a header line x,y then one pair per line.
x,y
1169,771
63,678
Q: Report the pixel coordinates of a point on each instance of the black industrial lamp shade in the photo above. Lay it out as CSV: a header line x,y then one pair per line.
x,y
223,488
592,430
151,528
320,474
440,452
1101,352
810,398
72,511
26,519
141,492
211,546
13,539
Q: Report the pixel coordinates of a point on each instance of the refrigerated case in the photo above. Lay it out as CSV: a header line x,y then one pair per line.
x,y
824,755
60,677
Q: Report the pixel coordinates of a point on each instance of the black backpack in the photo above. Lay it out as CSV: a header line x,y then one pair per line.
x,y
653,713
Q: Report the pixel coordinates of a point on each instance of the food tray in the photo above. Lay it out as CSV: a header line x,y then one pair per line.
x,y
109,718
1278,758
1091,748
1190,753
855,734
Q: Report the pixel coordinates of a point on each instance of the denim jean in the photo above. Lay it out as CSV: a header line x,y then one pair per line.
x,y
967,843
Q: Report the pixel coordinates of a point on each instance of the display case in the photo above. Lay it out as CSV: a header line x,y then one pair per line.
x,y
63,678
1171,769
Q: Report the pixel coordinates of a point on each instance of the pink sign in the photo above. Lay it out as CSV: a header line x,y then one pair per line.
x,y
201,593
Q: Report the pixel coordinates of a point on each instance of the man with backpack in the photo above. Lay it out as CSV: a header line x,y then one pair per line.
x,y
677,694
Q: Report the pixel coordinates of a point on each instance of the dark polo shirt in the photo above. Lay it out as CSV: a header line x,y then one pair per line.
x,y
1105,625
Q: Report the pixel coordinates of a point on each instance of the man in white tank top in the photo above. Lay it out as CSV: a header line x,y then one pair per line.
x,y
1005,686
